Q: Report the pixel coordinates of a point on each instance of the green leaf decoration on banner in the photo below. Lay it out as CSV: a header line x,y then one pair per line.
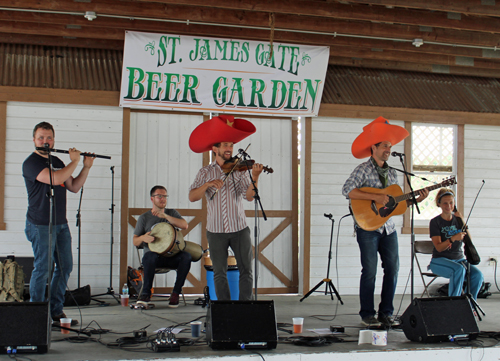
x,y
151,47
305,58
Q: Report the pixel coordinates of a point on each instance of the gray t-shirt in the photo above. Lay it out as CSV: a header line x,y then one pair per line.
x,y
446,229
146,221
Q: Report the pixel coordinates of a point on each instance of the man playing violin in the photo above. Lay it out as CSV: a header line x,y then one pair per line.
x,y
226,220
448,259
151,260
376,142
37,179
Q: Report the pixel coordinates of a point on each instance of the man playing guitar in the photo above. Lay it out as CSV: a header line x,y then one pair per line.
x,y
377,139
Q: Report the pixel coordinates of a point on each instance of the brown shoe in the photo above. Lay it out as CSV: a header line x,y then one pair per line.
x,y
57,319
174,300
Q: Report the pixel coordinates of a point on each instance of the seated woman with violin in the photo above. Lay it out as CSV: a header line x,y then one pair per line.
x,y
447,235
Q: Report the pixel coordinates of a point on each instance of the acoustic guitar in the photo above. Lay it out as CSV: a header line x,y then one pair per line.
x,y
371,215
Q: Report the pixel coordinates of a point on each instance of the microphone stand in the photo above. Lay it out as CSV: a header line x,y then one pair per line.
x,y
412,221
257,201
112,209
78,224
51,196
329,287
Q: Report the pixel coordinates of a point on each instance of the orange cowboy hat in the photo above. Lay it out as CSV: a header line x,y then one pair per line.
x,y
380,130
223,128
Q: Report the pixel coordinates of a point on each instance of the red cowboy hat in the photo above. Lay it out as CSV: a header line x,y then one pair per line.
x,y
223,128
377,131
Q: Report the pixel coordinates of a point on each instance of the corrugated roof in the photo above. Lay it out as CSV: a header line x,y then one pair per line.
x,y
60,67
403,89
100,69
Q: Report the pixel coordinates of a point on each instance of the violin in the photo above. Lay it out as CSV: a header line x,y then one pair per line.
x,y
234,164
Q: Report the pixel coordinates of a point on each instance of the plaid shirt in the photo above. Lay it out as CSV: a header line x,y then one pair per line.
x,y
366,175
225,211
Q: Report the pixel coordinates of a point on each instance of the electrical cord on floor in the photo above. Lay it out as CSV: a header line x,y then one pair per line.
x,y
313,341
18,357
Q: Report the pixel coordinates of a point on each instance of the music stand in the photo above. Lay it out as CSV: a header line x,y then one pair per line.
x,y
110,290
329,287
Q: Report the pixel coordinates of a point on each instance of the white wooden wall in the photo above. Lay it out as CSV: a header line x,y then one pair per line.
x,y
89,129
482,162
271,145
160,154
332,163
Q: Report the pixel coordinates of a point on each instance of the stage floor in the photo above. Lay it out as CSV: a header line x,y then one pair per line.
x,y
318,310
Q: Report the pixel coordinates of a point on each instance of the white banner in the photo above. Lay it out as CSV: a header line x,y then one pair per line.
x,y
205,74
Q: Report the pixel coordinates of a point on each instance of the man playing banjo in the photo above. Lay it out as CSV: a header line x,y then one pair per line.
x,y
181,261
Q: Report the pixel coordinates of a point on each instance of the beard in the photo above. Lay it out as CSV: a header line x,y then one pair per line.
x,y
224,156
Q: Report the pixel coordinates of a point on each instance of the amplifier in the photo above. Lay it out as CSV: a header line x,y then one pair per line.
x,y
241,324
439,319
24,327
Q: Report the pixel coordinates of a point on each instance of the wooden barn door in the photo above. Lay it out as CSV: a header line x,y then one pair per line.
x,y
159,154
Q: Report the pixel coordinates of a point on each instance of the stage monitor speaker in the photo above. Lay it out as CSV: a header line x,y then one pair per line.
x,y
24,327
241,324
439,319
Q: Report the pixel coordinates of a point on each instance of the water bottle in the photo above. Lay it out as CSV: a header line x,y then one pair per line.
x,y
125,289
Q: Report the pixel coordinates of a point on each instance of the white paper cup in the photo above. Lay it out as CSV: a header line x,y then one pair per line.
x,y
298,323
65,322
379,338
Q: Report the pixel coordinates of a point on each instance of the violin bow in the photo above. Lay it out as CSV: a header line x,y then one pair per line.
x,y
477,195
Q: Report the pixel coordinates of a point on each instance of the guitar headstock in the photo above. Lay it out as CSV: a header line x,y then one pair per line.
x,y
449,182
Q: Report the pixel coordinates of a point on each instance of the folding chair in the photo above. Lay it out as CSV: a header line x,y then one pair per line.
x,y
157,271
424,247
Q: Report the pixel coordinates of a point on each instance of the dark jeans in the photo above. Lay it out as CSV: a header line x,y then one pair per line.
x,y
241,244
62,257
180,262
370,243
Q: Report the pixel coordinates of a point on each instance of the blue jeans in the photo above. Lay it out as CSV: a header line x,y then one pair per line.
x,y
371,242
62,256
180,262
455,270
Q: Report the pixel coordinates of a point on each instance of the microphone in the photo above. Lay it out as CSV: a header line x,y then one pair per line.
x,y
46,145
396,154
242,152
328,215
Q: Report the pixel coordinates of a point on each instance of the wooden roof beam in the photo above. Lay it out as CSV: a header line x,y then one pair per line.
x,y
457,6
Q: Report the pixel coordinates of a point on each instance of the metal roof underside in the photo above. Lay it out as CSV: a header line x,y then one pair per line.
x,y
415,90
100,69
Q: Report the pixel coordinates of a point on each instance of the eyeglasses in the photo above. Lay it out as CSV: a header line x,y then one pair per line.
x,y
161,196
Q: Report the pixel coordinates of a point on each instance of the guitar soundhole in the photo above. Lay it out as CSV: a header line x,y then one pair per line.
x,y
388,208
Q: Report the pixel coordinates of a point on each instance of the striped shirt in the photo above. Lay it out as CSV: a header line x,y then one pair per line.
x,y
366,175
225,211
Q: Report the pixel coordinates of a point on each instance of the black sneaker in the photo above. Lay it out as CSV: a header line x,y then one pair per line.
x,y
144,299
387,321
371,321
